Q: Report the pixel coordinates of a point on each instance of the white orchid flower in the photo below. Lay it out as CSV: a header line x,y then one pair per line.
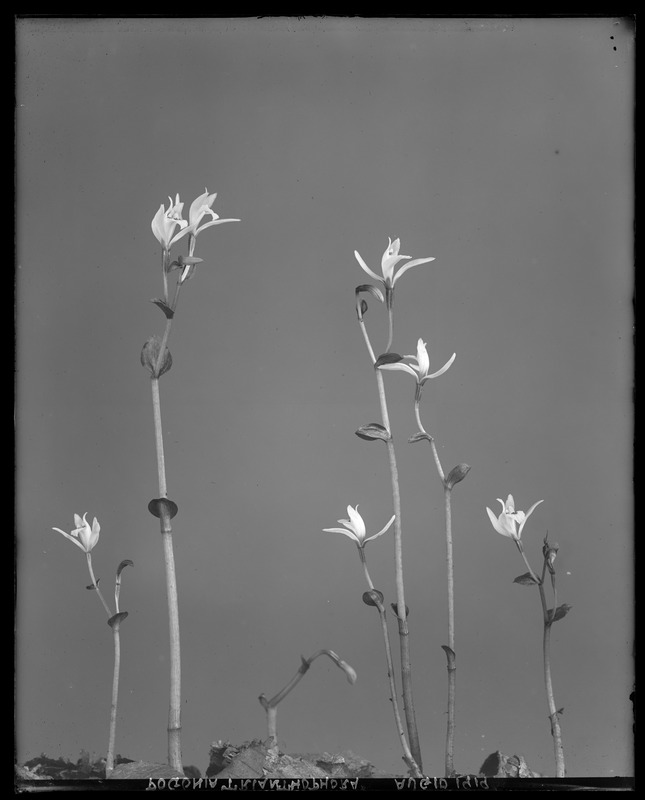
x,y
508,520
355,528
165,221
389,260
419,370
83,536
199,208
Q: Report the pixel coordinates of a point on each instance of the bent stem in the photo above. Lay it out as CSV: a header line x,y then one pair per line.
x,y
174,712
271,706
450,649
406,671
407,755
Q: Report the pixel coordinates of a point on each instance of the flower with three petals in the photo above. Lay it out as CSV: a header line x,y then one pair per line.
x,y
419,370
165,221
83,536
389,261
355,528
508,520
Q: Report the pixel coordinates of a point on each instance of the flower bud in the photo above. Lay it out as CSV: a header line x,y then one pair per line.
x,y
457,474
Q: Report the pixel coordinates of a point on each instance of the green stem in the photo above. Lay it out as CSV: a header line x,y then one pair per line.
x,y
174,712
96,586
407,755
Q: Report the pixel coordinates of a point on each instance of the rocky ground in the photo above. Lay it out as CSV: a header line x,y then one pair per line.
x,y
248,760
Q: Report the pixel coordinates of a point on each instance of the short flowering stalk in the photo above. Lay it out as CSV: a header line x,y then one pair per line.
x,y
388,277
406,669
355,530
86,538
271,706
506,525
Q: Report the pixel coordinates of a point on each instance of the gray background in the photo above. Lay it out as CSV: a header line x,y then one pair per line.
x,y
503,148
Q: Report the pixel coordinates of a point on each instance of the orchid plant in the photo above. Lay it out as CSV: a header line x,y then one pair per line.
x,y
169,227
419,367
86,537
354,529
388,279
510,523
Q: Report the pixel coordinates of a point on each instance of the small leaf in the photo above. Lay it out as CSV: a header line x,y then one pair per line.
x,y
387,358
150,354
117,618
157,506
91,586
123,565
395,608
369,598
560,710
367,287
560,612
164,307
525,580
373,431
184,260
418,437
457,474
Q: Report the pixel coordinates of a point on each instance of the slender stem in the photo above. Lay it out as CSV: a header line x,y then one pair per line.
x,y
96,586
389,300
556,732
406,672
174,712
520,547
547,617
452,669
450,652
407,755
109,765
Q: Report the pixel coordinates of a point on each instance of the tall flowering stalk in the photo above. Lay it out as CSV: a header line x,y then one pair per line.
x,y
86,538
156,357
388,278
419,367
510,524
354,528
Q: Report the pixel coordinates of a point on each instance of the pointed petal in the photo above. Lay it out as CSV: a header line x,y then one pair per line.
x,y
214,222
443,369
382,531
365,267
357,522
510,504
528,514
70,537
404,367
495,522
349,534
415,262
